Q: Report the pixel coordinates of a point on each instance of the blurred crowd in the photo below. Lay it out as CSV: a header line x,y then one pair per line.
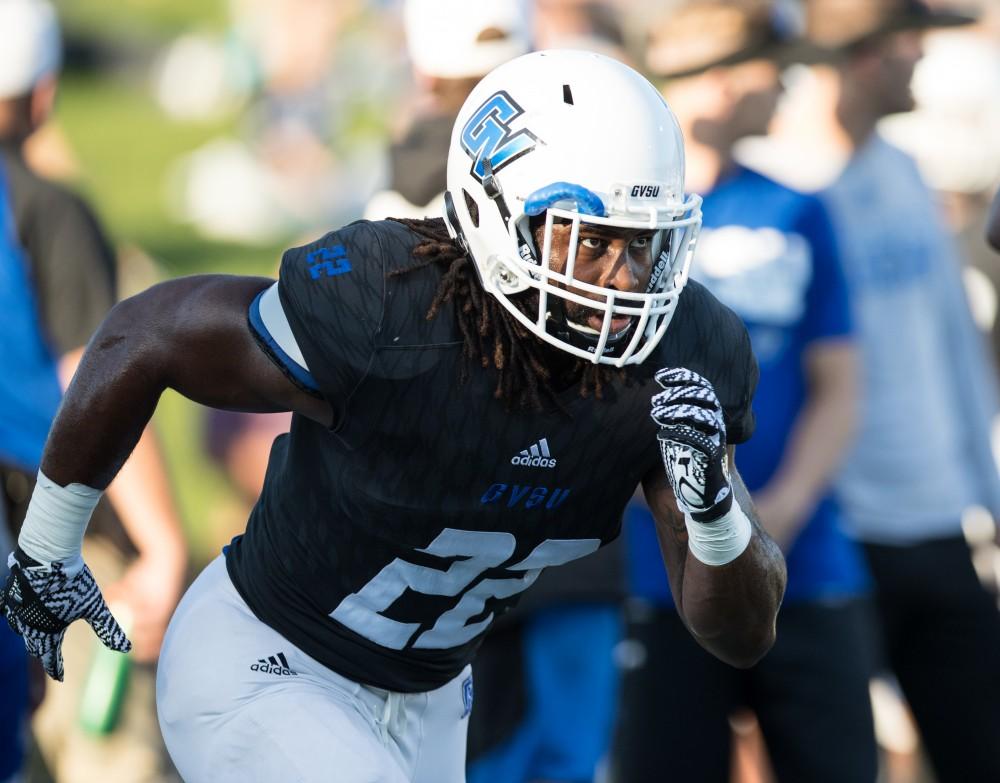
x,y
848,154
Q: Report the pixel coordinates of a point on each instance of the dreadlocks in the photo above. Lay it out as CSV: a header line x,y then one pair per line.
x,y
491,335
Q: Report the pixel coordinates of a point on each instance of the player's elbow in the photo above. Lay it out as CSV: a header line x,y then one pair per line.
x,y
749,649
742,645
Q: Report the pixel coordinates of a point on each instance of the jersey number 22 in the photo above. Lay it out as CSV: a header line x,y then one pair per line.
x,y
479,551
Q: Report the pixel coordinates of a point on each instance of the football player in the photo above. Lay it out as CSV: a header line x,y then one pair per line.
x,y
475,399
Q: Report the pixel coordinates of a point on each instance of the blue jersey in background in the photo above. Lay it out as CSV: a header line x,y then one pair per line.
x,y
29,384
769,253
29,396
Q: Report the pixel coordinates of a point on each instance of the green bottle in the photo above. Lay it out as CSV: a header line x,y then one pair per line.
x,y
107,679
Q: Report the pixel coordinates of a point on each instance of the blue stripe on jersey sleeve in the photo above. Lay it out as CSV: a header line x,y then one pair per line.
x,y
296,370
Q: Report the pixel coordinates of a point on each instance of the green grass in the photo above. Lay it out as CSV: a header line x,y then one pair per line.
x,y
142,19
127,146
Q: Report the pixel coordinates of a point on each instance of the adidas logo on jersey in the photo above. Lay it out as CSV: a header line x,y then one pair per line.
x,y
535,456
273,665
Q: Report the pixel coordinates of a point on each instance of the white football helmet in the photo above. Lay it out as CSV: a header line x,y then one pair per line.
x,y
578,136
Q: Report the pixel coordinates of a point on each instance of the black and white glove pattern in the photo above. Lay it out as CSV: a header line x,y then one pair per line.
x,y
693,443
41,600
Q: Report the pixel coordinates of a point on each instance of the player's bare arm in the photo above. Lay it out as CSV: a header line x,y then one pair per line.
x,y
729,609
189,335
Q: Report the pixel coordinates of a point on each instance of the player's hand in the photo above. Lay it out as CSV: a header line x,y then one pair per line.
x,y
693,443
150,589
41,600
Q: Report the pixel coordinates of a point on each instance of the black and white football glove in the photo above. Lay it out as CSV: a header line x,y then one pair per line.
x,y
40,600
693,443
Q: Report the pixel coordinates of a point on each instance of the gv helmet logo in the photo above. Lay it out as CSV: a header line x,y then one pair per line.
x,y
487,135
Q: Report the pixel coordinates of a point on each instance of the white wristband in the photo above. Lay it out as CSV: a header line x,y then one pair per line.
x,y
56,520
721,541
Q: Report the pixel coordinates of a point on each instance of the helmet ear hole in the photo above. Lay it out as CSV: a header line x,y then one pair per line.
x,y
472,206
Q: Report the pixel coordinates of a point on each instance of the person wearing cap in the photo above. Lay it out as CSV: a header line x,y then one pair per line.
x,y
71,269
452,44
923,461
769,253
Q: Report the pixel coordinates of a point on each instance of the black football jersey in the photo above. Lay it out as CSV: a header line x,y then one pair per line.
x,y
385,545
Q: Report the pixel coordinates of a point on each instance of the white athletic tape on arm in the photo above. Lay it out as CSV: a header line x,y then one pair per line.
x,y
722,541
56,520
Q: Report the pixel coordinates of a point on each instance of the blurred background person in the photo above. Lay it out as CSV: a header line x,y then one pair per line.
x,y
142,557
951,133
452,45
314,81
30,371
770,254
993,223
240,444
922,461
594,25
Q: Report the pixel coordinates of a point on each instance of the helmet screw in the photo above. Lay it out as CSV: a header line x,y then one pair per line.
x,y
490,184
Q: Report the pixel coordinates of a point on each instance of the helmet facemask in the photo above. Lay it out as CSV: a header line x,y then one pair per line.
x,y
561,293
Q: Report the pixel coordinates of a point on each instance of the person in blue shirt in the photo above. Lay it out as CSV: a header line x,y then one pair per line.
x,y
922,472
29,396
769,253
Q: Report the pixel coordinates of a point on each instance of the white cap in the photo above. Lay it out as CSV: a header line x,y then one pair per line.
x,y
30,46
444,36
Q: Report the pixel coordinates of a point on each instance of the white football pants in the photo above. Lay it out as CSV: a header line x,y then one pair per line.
x,y
238,702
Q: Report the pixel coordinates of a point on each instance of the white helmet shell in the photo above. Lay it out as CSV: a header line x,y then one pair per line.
x,y
581,137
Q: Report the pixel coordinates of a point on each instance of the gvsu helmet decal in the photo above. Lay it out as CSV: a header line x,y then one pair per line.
x,y
488,139
546,141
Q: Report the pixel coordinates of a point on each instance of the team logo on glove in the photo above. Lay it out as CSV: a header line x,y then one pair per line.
x,y
693,443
